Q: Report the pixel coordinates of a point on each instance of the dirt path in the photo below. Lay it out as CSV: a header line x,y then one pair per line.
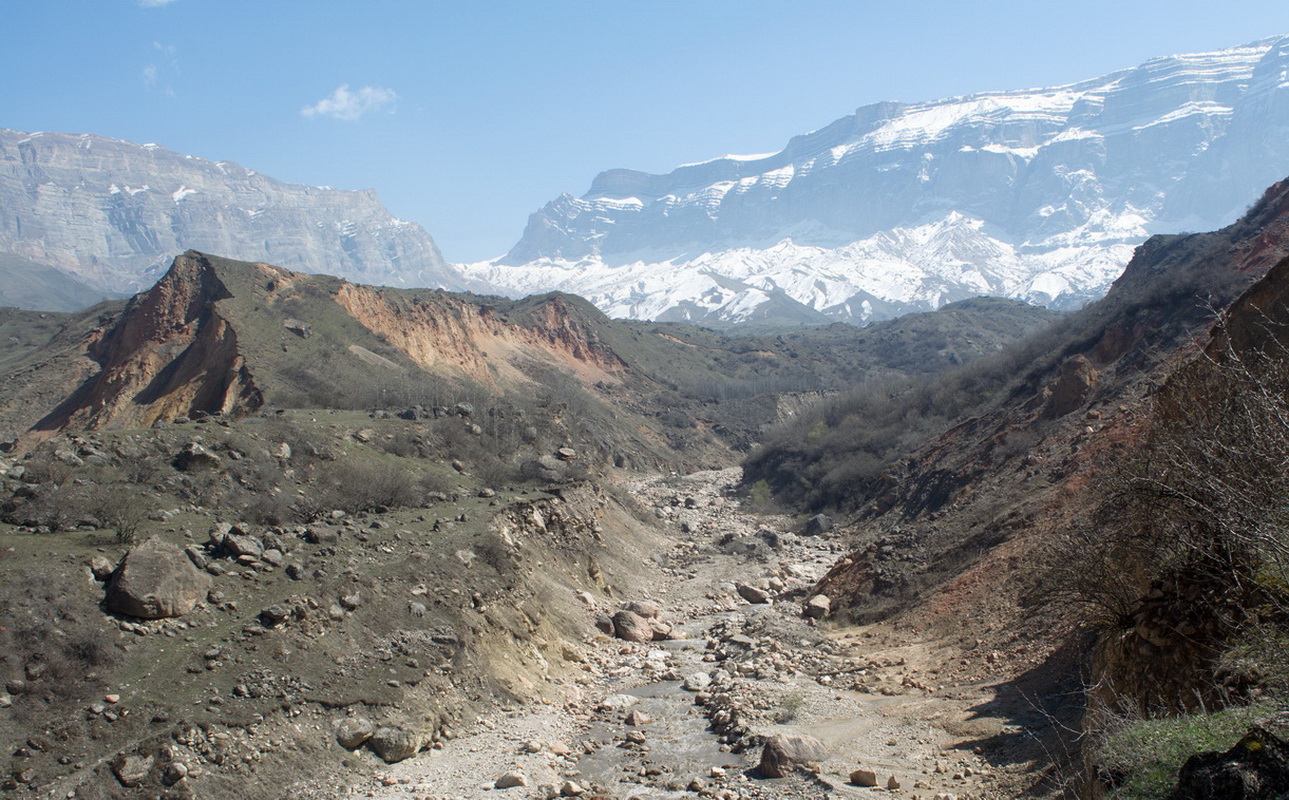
x,y
686,717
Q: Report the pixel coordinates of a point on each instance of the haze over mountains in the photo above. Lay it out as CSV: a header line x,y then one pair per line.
x,y
1037,194
114,214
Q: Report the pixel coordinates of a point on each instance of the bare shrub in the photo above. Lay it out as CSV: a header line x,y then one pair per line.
x,y
356,486
1188,553
120,508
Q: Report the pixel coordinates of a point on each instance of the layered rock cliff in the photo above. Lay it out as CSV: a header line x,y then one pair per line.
x,y
115,213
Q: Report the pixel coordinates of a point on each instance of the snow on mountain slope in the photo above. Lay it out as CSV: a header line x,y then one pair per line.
x,y
1036,194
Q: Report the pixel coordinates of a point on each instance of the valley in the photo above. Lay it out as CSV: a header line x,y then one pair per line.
x,y
283,535
939,455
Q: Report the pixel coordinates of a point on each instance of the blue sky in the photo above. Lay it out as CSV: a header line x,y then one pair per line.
x,y
466,116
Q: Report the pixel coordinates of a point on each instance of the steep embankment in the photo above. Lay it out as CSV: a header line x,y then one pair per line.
x,y
954,528
173,353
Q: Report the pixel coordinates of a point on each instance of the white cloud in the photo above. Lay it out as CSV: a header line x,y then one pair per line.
x,y
159,76
155,3
350,105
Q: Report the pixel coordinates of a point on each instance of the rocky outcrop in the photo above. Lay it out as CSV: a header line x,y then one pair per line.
x,y
114,213
171,354
1255,767
441,332
1072,388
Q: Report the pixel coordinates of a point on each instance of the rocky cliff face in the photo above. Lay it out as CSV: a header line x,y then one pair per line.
x,y
1037,194
171,354
114,214
215,337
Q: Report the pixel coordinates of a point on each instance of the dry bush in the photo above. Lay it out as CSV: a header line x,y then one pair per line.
x,y
1190,545
357,486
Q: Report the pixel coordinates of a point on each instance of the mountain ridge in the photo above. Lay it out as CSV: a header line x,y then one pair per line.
x,y
1036,194
114,214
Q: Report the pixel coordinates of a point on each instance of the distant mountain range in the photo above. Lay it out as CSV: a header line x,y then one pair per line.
x,y
1038,194
114,214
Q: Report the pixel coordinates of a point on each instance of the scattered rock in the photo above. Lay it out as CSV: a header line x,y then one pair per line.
x,y
752,594
637,718
155,580
783,753
511,780
818,607
353,732
395,744
632,627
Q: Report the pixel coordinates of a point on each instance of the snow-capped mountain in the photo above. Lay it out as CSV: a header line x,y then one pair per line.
x,y
115,213
1037,194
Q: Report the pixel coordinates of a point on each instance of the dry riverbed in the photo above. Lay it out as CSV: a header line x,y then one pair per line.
x,y
687,717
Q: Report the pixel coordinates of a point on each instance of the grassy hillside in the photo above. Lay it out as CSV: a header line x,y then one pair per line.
x,y
26,284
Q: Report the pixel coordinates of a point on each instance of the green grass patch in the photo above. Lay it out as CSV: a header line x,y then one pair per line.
x,y
1141,760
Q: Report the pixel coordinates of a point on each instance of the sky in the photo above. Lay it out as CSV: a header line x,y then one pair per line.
x,y
467,116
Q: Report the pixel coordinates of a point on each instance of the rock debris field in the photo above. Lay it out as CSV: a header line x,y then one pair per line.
x,y
744,663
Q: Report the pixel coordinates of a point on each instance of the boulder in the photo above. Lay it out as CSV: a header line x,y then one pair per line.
x,y
817,607
1256,767
511,780
240,544
155,580
353,732
783,753
395,744
645,609
174,772
752,594
101,568
300,328
193,457
663,631
863,777
632,627
697,682
132,770
817,525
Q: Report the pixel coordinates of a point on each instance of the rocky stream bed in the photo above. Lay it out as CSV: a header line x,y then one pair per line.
x,y
689,716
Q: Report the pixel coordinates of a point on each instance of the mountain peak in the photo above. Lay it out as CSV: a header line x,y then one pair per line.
x,y
1047,191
